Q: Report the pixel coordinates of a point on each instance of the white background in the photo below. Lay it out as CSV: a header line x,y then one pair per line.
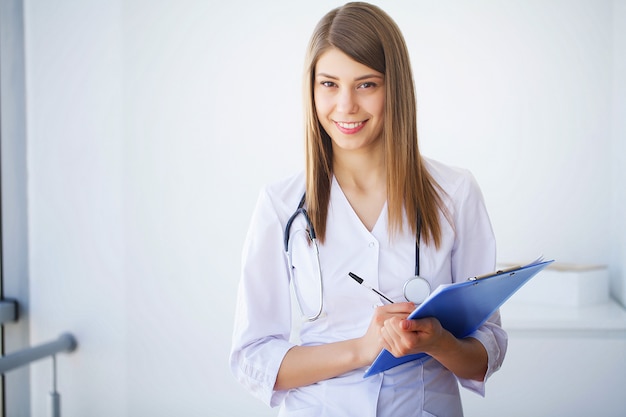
x,y
152,126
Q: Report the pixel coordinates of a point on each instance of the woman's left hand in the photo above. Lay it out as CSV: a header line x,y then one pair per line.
x,y
403,336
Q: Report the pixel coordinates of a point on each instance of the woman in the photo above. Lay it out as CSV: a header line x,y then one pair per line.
x,y
370,197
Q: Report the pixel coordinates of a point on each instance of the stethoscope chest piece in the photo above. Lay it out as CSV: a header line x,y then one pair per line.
x,y
416,290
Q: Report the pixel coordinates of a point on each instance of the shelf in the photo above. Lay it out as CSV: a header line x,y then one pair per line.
x,y
609,317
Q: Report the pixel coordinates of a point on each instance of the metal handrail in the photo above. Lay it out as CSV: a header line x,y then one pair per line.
x,y
65,343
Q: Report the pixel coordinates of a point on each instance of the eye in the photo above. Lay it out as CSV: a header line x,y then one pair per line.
x,y
368,84
327,84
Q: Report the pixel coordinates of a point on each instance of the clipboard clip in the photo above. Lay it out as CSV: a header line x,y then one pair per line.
x,y
493,274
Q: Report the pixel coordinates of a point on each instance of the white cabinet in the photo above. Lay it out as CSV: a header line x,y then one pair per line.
x,y
561,361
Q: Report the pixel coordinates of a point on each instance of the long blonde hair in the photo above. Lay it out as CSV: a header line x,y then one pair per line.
x,y
369,36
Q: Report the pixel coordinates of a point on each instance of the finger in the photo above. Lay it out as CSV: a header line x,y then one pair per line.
x,y
389,339
411,325
396,308
396,341
407,325
393,328
420,325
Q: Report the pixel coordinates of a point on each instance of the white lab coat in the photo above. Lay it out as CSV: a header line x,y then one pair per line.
x,y
265,316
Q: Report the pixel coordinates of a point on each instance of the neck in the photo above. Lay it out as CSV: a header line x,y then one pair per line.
x,y
360,170
363,180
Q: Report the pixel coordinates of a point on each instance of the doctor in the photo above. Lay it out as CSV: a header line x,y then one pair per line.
x,y
370,204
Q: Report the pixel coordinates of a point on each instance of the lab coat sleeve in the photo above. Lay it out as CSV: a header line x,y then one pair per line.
x,y
263,311
474,253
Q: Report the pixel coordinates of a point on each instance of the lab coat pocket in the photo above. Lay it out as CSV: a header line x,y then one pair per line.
x,y
304,402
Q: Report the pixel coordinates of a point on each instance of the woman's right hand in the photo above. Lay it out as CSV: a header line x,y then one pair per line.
x,y
305,365
371,343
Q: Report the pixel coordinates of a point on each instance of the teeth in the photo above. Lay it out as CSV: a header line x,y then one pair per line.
x,y
349,125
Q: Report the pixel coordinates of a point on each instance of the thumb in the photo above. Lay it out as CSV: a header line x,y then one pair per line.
x,y
409,325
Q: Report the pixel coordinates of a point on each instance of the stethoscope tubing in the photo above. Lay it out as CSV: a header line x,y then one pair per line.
x,y
313,237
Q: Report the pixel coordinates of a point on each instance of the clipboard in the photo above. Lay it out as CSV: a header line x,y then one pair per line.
x,y
463,307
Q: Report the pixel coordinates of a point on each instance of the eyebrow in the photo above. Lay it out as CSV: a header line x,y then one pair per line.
x,y
361,78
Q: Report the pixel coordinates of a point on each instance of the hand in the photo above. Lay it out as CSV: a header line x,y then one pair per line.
x,y
372,342
403,337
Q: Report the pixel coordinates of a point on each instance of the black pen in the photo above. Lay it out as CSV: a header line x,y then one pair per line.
x,y
360,281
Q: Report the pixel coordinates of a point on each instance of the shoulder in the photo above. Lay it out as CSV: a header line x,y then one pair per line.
x,y
453,181
458,189
288,189
285,194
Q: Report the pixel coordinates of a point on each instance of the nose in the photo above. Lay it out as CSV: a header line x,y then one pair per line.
x,y
346,101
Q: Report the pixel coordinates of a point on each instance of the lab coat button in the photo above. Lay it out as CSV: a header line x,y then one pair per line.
x,y
372,244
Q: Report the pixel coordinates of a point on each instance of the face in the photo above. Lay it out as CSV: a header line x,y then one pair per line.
x,y
349,101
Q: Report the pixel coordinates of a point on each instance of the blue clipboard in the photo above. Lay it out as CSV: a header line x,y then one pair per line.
x,y
463,307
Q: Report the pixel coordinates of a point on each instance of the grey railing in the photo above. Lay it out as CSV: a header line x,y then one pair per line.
x,y
64,343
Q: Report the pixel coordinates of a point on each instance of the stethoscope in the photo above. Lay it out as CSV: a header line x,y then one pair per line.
x,y
416,289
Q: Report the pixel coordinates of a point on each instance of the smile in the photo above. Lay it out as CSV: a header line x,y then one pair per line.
x,y
350,127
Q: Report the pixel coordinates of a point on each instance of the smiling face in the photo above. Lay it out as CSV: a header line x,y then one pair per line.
x,y
349,100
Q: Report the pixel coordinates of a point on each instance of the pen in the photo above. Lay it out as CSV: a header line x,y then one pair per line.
x,y
360,281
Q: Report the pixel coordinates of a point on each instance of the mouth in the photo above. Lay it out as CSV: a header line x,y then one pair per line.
x,y
350,128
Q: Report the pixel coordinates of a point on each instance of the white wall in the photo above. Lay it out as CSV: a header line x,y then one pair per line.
x,y
153,124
